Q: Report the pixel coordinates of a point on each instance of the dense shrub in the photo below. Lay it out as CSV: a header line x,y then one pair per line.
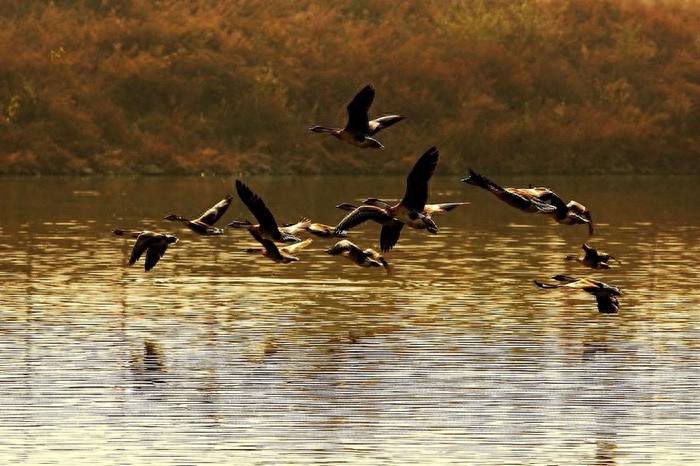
x,y
513,86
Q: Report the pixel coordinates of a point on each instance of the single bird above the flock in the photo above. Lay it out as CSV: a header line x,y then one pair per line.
x,y
538,200
267,227
409,210
605,295
204,224
363,258
152,243
359,129
283,255
593,258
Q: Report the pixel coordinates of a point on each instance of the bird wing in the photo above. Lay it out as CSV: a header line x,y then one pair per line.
x,y
417,181
389,236
607,304
341,247
383,122
211,216
154,252
292,248
430,209
358,110
378,202
516,198
360,215
269,245
255,204
142,243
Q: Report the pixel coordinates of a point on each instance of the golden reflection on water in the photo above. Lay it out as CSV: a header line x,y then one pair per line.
x,y
216,356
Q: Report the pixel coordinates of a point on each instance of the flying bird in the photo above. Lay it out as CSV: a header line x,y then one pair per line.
x,y
571,213
359,129
538,200
315,228
593,258
363,258
152,243
605,295
267,226
204,224
525,199
429,209
283,255
409,211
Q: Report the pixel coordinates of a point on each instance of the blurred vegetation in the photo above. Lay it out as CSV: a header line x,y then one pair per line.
x,y
185,86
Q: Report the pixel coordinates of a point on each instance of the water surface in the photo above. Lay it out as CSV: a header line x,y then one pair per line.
x,y
219,357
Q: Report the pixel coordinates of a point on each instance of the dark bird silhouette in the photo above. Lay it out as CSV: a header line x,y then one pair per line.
x,y
283,255
539,200
429,209
267,227
363,258
525,199
359,129
605,295
152,243
204,224
593,258
409,211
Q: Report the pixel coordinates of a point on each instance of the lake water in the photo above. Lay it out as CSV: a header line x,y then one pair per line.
x,y
219,357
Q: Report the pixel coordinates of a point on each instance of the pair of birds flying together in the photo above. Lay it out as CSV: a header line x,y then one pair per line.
x,y
605,295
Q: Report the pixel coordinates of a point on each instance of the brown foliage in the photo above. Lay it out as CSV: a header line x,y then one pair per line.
x,y
514,86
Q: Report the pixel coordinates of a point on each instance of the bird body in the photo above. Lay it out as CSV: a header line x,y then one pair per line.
x,y
593,258
152,243
362,258
606,295
359,129
315,228
267,226
524,199
204,224
409,211
538,200
283,255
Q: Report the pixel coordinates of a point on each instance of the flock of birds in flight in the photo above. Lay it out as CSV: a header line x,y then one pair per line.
x,y
412,211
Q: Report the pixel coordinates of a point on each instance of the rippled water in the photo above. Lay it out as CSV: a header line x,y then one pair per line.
x,y
219,357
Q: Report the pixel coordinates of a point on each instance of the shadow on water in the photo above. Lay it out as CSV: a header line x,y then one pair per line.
x,y
217,356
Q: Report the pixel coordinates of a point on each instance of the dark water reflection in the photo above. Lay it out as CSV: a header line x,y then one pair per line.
x,y
218,357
